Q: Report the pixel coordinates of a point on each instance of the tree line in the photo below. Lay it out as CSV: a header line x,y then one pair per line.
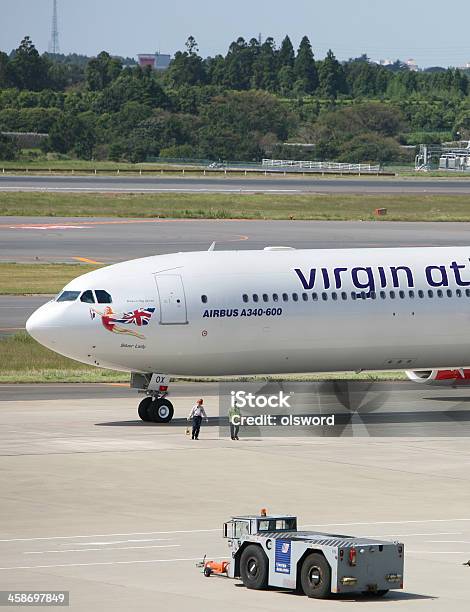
x,y
243,105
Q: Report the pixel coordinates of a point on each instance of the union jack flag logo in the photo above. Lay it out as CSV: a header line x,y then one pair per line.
x,y
138,317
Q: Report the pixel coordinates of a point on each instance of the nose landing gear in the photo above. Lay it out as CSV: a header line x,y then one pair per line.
x,y
156,410
155,407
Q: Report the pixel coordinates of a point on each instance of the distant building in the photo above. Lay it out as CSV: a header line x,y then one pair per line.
x,y
156,61
383,62
412,65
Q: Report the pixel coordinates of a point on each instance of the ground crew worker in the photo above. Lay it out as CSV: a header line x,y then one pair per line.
x,y
195,416
234,426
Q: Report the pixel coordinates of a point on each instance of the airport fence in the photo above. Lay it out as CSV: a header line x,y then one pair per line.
x,y
322,166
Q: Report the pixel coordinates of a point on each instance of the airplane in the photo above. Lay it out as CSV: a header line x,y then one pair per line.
x,y
272,311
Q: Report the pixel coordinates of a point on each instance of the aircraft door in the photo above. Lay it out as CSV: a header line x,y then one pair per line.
x,y
173,309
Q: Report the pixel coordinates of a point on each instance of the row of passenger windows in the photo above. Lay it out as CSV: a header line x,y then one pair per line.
x,y
354,295
88,296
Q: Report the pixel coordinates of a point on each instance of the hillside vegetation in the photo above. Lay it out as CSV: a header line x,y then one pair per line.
x,y
243,105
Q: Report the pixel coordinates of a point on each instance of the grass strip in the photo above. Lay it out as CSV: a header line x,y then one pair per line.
x,y
333,207
22,279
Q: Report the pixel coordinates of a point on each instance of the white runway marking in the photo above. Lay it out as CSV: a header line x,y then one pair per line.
x,y
387,523
110,535
105,563
435,552
66,550
410,535
49,227
447,542
164,540
150,190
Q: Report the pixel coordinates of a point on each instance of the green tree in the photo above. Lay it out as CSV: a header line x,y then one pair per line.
x,y
332,77
286,53
4,70
101,71
265,67
305,67
187,68
28,69
9,149
370,148
72,133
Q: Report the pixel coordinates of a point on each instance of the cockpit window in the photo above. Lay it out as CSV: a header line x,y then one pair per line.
x,y
103,297
68,296
88,297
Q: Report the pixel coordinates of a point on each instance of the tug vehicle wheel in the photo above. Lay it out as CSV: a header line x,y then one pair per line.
x,y
254,568
315,577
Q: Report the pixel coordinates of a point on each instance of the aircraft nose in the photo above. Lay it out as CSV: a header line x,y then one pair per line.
x,y
43,325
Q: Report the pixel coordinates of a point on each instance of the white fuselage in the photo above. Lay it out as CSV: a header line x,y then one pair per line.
x,y
271,311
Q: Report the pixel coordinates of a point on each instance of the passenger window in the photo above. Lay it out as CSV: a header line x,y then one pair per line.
x,y
255,297
315,297
265,297
275,297
324,297
449,293
467,292
334,296
430,293
392,295
383,295
344,295
421,293
373,295
295,297
305,297
88,297
411,294
458,292
68,296
102,297
204,299
245,298
285,297
402,294
353,295
440,293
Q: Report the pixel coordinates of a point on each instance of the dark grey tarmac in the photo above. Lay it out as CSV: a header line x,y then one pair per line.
x,y
268,184
15,310
108,240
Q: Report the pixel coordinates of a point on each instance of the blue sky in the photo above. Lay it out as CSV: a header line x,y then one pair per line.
x,y
432,32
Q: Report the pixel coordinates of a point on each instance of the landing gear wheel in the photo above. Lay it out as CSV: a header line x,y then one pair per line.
x,y
143,409
315,577
254,568
161,411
